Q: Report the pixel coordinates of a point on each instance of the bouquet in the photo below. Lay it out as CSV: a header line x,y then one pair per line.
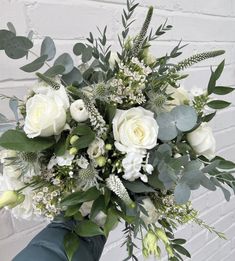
x,y
112,139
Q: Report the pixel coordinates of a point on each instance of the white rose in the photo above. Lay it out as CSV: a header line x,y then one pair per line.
x,y
151,210
135,129
202,141
78,111
113,59
132,165
179,95
43,88
96,148
45,116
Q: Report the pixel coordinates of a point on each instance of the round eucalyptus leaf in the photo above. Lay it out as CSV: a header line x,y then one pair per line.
x,y
48,48
185,117
73,78
87,54
182,193
5,36
65,60
54,70
79,48
167,128
17,47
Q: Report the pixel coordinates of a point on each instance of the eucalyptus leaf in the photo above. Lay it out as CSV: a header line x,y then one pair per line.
x,y
13,104
54,71
79,48
17,140
35,65
48,48
73,78
87,54
65,60
137,187
5,36
167,128
18,47
11,27
182,193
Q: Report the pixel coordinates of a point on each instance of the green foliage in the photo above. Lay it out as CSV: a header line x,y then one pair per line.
x,y
5,37
55,85
137,187
196,59
48,48
111,222
181,119
218,104
74,77
17,140
162,29
66,61
35,65
222,90
54,70
14,104
88,228
71,244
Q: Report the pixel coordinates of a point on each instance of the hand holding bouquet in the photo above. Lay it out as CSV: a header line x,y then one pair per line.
x,y
114,138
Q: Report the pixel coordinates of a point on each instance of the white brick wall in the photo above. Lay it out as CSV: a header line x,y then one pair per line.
x,y
203,24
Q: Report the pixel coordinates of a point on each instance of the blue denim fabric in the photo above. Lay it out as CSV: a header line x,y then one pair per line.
x,y
48,245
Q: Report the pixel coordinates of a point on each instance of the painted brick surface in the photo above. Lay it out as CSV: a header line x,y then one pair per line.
x,y
204,25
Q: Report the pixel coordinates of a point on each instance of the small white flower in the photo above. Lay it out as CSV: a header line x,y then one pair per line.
x,y
78,111
202,141
96,148
82,162
151,210
56,181
65,160
195,91
132,165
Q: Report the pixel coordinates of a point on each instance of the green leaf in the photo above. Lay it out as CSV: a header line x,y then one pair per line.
x,y
218,104
137,186
181,250
167,128
71,244
225,164
84,141
209,117
79,48
54,71
87,54
80,197
179,241
154,181
206,183
73,78
18,47
17,140
65,60
222,90
13,104
5,36
82,129
97,206
61,146
35,65
182,193
11,27
111,222
48,48
88,228
211,84
219,70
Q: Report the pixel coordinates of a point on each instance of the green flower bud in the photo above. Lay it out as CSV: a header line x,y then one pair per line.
x,y
150,246
73,139
162,235
73,151
101,161
108,146
169,250
8,198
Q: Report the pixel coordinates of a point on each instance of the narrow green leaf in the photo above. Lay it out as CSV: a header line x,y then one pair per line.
x,y
35,65
88,228
209,117
137,187
218,104
222,90
219,70
97,206
71,244
181,250
111,222
84,141
212,83
11,27
17,140
179,241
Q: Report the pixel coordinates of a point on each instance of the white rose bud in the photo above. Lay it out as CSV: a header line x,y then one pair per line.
x,y
45,116
202,141
134,130
78,111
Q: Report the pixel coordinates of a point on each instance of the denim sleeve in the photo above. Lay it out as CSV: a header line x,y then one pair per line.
x,y
48,245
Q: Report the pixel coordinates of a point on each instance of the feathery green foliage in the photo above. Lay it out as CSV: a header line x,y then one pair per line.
x,y
55,85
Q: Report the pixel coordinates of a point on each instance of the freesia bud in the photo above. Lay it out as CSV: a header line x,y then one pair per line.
x,y
101,161
150,245
162,235
73,151
108,146
73,139
8,198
